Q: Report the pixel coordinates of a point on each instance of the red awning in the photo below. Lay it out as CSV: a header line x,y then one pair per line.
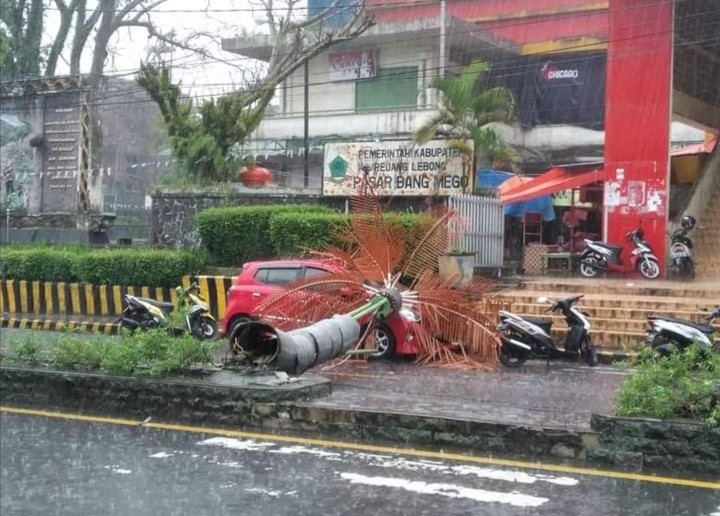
x,y
707,147
553,181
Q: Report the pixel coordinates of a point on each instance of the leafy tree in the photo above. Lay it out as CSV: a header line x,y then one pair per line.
x,y
464,114
21,29
202,140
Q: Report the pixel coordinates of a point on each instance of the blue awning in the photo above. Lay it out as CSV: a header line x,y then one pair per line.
x,y
490,178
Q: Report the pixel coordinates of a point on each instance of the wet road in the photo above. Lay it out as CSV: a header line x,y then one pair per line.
x,y
57,466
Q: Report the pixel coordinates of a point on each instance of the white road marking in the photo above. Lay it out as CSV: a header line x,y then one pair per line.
x,y
161,455
117,469
292,450
236,444
447,490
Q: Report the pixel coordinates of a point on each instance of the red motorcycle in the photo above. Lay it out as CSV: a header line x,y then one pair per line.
x,y
600,257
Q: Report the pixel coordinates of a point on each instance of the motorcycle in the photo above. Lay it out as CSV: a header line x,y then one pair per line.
x,y
145,313
601,257
682,265
668,335
525,337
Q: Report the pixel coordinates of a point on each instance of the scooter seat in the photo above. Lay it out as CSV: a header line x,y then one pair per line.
x,y
704,328
162,305
542,323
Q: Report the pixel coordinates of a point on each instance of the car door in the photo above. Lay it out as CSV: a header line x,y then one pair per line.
x,y
270,279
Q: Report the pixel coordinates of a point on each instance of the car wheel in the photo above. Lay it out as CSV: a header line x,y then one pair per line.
x,y
384,341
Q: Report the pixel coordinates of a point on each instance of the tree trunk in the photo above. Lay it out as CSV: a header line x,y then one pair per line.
x,y
66,14
79,39
102,39
29,46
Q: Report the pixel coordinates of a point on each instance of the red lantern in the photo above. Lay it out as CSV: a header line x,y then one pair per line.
x,y
255,176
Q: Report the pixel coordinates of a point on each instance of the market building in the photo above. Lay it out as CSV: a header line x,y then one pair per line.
x,y
607,87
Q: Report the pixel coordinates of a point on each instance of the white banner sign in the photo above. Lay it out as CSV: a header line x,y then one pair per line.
x,y
396,168
349,66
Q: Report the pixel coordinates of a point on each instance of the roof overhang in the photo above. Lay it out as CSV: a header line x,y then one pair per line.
x,y
696,63
465,41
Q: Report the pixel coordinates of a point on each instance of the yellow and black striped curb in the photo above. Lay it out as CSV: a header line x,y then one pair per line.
x,y
83,299
52,325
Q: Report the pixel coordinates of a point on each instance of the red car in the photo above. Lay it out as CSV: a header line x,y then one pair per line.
x,y
259,280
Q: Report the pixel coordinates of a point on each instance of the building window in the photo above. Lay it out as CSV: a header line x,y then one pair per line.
x,y
390,88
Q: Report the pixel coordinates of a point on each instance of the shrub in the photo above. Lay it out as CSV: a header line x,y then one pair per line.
x,y
292,234
682,385
79,352
25,349
238,234
136,266
154,353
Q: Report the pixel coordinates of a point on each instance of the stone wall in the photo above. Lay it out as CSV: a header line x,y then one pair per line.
x,y
252,401
229,400
640,443
172,218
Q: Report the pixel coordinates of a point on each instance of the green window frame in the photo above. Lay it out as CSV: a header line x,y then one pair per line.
x,y
391,88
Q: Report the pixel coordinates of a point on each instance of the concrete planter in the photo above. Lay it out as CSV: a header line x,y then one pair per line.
x,y
671,445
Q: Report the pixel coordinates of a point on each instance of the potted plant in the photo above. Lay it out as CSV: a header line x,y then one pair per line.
x,y
458,266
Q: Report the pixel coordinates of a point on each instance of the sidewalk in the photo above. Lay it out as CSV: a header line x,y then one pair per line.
x,y
558,396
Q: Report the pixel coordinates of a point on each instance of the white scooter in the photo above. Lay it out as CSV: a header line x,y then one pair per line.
x,y
667,335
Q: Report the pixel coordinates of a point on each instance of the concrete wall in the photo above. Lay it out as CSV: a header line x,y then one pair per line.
x,y
637,443
329,97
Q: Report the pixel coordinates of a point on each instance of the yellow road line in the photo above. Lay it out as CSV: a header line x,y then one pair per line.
x,y
370,448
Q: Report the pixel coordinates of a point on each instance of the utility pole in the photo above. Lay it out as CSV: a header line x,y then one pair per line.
x,y
441,64
306,128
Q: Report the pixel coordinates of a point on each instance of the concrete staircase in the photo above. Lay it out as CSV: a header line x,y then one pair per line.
x,y
707,238
618,309
704,205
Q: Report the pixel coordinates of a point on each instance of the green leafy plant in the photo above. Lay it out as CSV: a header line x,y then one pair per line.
x,y
150,353
79,352
202,138
467,113
681,385
136,266
235,235
25,349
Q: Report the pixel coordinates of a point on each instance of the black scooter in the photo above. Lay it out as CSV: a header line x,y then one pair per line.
x,y
682,265
526,337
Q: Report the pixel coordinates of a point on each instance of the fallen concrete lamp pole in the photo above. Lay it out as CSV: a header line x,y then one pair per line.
x,y
296,351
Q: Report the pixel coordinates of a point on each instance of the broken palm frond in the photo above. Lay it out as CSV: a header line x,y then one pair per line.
x,y
308,302
451,326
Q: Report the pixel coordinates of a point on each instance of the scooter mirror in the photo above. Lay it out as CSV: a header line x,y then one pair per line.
x,y
543,299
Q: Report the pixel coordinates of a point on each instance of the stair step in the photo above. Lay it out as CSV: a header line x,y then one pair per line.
x,y
665,304
603,324
623,287
603,312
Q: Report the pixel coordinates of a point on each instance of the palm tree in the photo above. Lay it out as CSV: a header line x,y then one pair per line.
x,y
464,114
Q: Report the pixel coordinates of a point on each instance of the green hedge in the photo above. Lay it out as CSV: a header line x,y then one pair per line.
x,y
134,266
238,234
292,234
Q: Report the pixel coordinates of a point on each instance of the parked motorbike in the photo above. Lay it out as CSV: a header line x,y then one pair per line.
x,y
525,337
668,335
682,265
601,257
144,313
